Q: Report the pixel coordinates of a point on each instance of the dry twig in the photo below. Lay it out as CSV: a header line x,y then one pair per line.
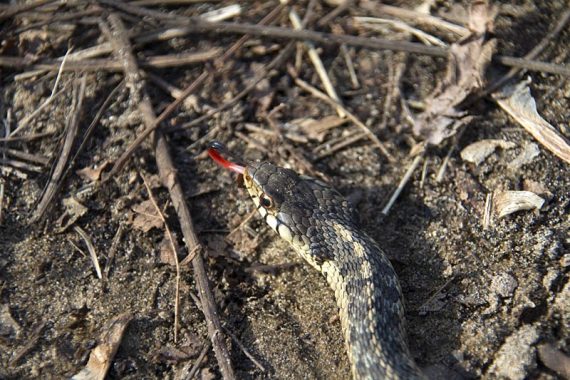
x,y
402,184
19,354
58,172
158,61
91,248
560,25
35,158
169,179
101,357
320,95
370,43
174,256
113,250
15,9
189,90
383,10
317,63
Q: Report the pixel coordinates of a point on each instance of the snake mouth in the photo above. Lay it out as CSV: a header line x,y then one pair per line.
x,y
216,149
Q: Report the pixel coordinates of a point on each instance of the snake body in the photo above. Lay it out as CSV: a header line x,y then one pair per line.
x,y
319,223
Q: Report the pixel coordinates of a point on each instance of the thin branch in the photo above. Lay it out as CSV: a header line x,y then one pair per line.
x,y
174,255
30,137
383,10
58,172
20,165
195,24
402,184
192,88
167,171
35,336
318,94
37,159
317,63
113,251
157,62
20,8
370,43
533,53
91,248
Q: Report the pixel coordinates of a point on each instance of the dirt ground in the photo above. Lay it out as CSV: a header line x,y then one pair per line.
x,y
480,302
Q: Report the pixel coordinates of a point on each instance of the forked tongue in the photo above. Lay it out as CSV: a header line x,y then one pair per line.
x,y
215,150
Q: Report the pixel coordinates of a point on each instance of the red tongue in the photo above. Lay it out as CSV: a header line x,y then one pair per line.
x,y
217,157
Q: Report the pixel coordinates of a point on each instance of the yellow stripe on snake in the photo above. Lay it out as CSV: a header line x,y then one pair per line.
x,y
319,223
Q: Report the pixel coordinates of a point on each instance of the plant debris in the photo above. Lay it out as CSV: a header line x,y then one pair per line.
x,y
102,356
466,70
105,104
508,202
527,155
146,217
517,101
478,151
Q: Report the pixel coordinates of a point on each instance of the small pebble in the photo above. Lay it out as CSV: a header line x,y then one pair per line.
x,y
504,285
517,356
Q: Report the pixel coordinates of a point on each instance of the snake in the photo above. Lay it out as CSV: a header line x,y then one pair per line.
x,y
322,227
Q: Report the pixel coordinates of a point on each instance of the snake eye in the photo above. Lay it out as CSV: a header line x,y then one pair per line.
x,y
265,201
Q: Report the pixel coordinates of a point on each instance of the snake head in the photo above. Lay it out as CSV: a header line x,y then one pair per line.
x,y
290,203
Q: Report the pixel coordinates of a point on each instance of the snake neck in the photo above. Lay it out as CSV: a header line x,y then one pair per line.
x,y
369,297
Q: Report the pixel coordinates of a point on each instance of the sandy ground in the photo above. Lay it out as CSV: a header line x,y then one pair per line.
x,y
480,302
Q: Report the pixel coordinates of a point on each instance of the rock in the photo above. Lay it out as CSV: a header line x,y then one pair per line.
x,y
504,285
517,356
478,151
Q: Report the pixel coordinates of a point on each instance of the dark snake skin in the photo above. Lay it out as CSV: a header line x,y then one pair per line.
x,y
320,225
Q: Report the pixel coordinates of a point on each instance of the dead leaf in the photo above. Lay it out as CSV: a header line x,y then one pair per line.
x,y
467,64
518,102
153,181
216,245
173,355
92,174
146,216
166,254
9,328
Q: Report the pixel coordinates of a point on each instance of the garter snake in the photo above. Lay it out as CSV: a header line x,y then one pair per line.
x,y
319,223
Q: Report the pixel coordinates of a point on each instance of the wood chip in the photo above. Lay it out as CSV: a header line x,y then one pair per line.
x,y
102,356
507,202
478,151
92,174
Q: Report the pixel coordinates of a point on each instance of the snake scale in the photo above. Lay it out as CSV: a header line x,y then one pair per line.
x,y
319,223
